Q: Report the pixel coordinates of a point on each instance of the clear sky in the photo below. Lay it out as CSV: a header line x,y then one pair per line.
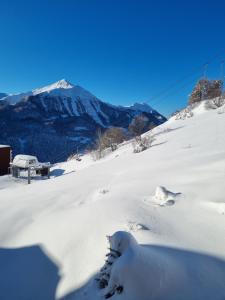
x,y
121,50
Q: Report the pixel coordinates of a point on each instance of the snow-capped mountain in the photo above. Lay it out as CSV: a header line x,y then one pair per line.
x,y
62,88
53,121
142,107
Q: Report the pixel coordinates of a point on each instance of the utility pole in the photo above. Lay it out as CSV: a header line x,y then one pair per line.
x,y
222,69
205,70
28,177
222,73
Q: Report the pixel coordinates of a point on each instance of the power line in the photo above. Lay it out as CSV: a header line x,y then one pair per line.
x,y
173,92
182,79
205,70
222,69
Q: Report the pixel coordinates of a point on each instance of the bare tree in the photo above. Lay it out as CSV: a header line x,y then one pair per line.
x,y
107,140
206,89
98,144
112,137
138,125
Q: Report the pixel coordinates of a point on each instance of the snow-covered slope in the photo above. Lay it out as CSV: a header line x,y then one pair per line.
x,y
53,232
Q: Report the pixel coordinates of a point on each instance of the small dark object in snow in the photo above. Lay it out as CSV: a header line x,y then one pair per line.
x,y
103,283
170,202
111,254
104,191
119,289
105,274
115,251
109,295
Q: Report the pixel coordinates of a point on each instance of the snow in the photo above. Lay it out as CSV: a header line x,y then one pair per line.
x,y
80,128
23,161
177,251
61,84
68,98
13,99
59,88
164,197
70,93
162,273
143,107
79,139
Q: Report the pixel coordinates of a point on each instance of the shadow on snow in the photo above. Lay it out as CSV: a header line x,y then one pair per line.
x,y
27,273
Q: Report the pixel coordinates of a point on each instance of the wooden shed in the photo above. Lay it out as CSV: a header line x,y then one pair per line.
x,y
5,155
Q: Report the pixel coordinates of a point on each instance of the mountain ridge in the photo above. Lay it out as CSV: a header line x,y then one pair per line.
x,y
53,121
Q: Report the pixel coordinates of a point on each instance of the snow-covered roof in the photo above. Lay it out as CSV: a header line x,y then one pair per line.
x,y
24,157
24,161
4,146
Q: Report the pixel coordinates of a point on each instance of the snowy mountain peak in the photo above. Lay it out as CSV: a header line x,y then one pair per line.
x,y
64,84
61,84
144,107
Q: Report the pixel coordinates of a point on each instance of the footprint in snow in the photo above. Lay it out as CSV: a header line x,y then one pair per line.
x,y
99,194
134,226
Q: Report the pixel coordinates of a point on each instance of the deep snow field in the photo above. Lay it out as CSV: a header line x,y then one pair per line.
x,y
53,232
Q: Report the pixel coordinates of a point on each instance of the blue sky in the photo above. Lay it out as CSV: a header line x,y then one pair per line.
x,y
121,50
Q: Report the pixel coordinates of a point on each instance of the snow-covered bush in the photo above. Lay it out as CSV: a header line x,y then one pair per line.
x,y
221,110
110,277
184,114
144,272
75,156
214,103
142,143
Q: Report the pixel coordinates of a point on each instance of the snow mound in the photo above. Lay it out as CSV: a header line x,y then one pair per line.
x,y
164,197
138,272
184,114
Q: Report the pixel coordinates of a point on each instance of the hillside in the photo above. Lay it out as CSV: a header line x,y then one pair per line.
x,y
57,120
53,232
